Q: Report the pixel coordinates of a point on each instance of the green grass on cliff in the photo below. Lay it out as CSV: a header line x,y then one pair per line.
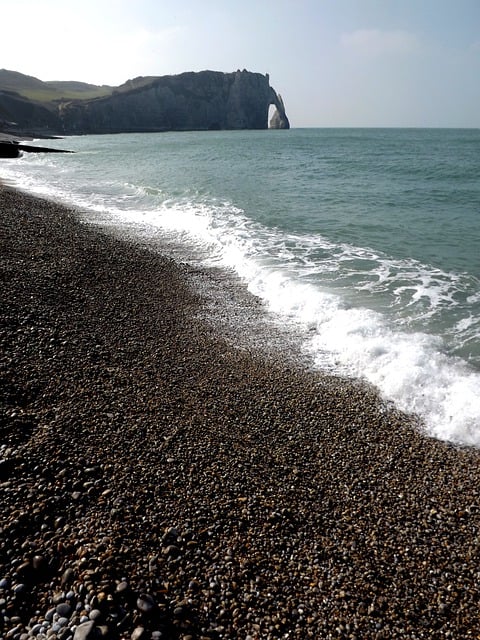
x,y
53,91
35,89
50,95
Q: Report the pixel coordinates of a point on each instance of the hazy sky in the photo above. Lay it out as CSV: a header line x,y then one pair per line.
x,y
335,62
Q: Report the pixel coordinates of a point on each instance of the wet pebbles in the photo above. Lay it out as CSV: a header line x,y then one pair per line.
x,y
156,482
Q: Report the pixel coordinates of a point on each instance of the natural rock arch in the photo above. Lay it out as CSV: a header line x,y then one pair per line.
x,y
279,119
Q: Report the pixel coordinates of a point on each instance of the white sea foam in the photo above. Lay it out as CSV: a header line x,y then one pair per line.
x,y
308,281
408,368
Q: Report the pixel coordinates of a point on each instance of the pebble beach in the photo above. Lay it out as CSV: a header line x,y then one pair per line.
x,y
159,482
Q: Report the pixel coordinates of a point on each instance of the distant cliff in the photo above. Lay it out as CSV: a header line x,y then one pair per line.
x,y
207,100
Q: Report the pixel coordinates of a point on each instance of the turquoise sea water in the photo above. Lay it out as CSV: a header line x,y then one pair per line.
x,y
366,240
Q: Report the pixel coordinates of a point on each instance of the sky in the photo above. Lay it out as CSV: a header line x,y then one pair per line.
x,y
336,63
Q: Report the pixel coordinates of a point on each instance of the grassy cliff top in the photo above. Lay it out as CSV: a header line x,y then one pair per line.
x,y
35,89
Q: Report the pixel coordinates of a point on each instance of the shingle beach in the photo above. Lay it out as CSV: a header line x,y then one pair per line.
x,y
158,482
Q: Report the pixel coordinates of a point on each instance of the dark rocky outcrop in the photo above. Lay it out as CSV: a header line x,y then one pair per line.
x,y
13,149
9,149
207,100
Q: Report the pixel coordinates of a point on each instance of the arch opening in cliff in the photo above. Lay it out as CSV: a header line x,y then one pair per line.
x,y
279,119
272,109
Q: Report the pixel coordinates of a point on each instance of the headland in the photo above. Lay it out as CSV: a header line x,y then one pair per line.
x,y
204,100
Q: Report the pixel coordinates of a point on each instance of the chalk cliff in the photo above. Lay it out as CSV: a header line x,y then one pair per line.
x,y
207,100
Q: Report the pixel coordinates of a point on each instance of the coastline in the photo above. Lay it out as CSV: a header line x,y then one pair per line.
x,y
153,477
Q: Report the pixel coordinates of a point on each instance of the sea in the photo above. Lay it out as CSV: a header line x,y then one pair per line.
x,y
364,243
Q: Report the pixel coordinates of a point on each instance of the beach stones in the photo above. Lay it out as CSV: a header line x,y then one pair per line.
x,y
67,577
297,505
138,633
145,603
63,609
86,631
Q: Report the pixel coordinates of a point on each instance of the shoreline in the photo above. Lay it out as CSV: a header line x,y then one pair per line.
x,y
155,478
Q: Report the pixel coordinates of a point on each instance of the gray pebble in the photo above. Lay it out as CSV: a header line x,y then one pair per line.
x,y
85,631
49,615
36,629
19,588
138,633
145,603
64,609
95,614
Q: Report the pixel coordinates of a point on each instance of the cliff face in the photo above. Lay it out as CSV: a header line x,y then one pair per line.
x,y
27,114
207,100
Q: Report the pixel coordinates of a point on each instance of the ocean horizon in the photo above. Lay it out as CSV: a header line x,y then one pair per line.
x,y
363,242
